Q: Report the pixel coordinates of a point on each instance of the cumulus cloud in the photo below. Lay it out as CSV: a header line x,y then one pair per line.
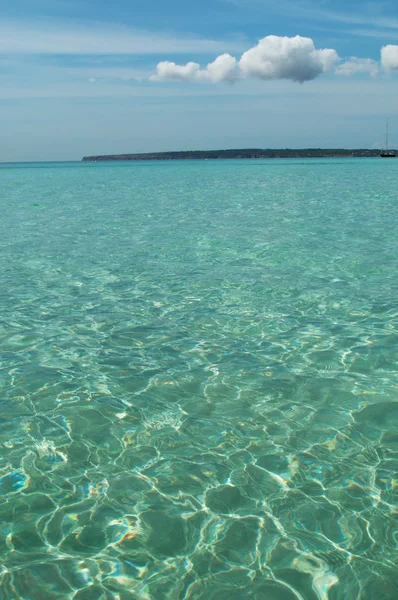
x,y
274,57
328,58
389,58
222,69
293,58
280,57
170,70
355,65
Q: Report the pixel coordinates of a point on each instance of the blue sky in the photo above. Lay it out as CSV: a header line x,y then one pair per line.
x,y
83,77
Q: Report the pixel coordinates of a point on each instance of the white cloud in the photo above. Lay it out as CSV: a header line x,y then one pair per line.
x,y
328,58
222,69
295,58
389,58
55,37
355,65
274,57
170,70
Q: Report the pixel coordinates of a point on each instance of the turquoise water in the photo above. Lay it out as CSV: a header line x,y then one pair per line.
x,y
199,391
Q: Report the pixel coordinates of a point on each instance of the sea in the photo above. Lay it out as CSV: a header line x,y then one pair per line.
x,y
199,380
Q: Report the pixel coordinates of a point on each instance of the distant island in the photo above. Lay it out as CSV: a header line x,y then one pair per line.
x,y
234,154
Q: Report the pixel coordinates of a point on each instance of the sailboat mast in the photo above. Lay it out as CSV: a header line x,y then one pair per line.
x,y
385,152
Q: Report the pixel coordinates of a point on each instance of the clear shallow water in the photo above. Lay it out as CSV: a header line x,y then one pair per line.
x,y
199,392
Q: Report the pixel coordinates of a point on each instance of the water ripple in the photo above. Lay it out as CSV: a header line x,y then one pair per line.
x,y
198,377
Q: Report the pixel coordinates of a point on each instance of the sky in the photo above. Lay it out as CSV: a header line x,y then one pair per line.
x,y
79,77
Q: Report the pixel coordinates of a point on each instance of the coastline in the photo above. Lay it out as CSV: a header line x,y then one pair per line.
x,y
237,154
